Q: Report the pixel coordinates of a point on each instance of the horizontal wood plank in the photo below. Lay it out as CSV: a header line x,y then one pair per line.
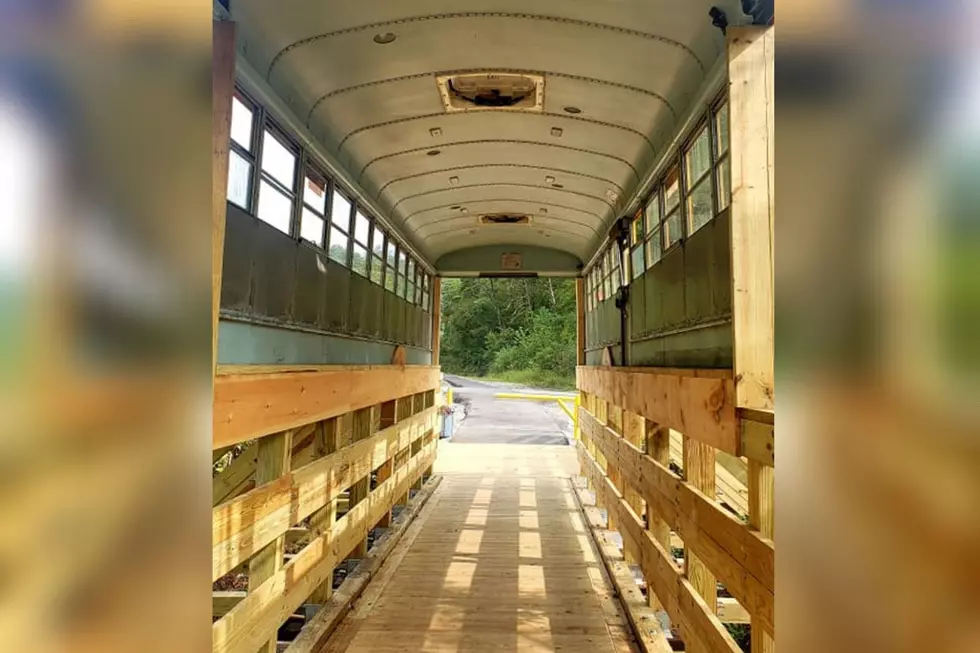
x,y
250,405
244,525
701,628
699,405
758,441
249,623
742,560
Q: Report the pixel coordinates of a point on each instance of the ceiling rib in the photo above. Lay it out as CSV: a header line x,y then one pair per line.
x,y
567,234
625,31
510,112
494,199
502,183
470,71
473,225
498,165
483,141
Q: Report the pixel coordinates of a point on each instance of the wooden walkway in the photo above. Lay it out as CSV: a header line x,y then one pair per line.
x,y
500,559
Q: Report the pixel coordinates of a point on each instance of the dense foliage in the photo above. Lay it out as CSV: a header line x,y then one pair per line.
x,y
512,329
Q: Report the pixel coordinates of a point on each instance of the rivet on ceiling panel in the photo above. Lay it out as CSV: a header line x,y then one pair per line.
x,y
454,181
384,39
435,131
556,132
549,179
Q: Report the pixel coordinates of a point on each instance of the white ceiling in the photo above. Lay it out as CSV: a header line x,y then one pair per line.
x,y
631,66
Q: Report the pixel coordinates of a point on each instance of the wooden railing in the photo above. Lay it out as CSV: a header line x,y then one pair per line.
x,y
658,503
323,435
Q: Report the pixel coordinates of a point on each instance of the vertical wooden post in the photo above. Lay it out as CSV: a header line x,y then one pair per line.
x,y
658,448
222,89
274,452
364,426
389,416
751,64
580,319
750,69
321,521
699,470
761,518
436,317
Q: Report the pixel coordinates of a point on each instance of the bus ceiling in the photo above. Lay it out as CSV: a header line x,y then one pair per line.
x,y
500,129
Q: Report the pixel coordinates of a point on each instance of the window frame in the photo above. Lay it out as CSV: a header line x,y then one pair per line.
x,y
312,170
337,189
251,155
718,159
689,186
287,142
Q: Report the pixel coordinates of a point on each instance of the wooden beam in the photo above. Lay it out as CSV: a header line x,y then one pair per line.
x,y
223,602
365,425
641,616
247,625
658,448
313,637
751,55
251,405
761,517
699,471
274,453
734,553
249,522
237,472
436,318
698,403
580,320
222,90
702,630
322,520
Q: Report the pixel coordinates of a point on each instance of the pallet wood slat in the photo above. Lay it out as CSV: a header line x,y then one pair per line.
x,y
313,637
743,561
700,406
242,526
253,404
247,625
701,628
758,441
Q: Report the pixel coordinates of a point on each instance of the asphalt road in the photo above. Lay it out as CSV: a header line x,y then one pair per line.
x,y
507,421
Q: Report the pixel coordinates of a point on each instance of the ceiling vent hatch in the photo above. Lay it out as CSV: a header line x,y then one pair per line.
x,y
491,91
505,218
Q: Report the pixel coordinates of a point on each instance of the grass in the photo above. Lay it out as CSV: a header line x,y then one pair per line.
x,y
534,378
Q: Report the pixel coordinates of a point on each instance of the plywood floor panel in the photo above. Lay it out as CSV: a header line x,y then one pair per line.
x,y
503,562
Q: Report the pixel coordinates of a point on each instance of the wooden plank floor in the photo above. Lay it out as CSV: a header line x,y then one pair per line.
x,y
499,560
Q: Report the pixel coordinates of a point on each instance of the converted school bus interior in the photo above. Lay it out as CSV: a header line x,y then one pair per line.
x,y
363,151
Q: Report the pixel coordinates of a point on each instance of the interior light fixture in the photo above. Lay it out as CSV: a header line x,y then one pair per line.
x,y
384,39
434,152
549,179
556,132
572,110
435,131
454,181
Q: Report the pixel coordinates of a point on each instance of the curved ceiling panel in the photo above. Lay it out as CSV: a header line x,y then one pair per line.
x,y
396,190
363,77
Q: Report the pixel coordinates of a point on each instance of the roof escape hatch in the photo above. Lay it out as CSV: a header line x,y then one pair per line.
x,y
505,218
491,91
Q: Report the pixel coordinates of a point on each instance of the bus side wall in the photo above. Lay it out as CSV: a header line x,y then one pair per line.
x,y
283,302
679,312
